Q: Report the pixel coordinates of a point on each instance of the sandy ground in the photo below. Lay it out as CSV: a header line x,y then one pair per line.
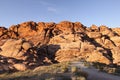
x,y
94,74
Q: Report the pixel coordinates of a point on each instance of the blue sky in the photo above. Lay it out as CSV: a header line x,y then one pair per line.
x,y
88,12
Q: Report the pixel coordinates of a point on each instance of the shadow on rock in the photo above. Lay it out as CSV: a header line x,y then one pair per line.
x,y
46,53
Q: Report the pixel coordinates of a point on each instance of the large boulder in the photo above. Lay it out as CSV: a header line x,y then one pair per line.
x,y
66,54
116,31
94,28
20,67
2,31
97,56
116,55
104,30
65,27
27,29
94,35
15,48
116,40
26,45
79,27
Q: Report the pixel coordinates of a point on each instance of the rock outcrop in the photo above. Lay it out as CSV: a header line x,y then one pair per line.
x,y
15,49
33,44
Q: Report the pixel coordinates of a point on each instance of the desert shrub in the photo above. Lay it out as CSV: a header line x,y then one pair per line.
x,y
114,69
99,66
64,69
118,71
81,73
74,69
111,70
87,64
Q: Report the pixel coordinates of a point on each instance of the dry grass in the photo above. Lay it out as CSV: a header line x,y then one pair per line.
x,y
51,72
34,73
114,69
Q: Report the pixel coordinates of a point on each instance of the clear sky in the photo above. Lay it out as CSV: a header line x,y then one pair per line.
x,y
88,12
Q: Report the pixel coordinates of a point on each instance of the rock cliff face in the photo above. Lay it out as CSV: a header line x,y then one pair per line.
x,y
32,43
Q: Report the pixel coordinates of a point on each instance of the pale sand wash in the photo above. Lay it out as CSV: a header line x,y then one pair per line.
x,y
94,74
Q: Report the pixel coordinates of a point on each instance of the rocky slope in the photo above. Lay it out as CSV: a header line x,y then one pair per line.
x,y
32,44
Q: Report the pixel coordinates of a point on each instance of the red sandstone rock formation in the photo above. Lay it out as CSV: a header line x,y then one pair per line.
x,y
61,42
